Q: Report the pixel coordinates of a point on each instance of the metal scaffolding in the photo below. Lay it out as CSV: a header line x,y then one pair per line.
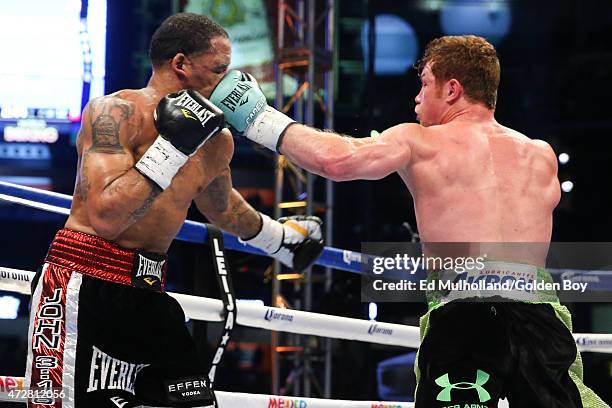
x,y
304,81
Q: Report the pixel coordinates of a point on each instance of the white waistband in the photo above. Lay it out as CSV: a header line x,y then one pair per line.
x,y
508,280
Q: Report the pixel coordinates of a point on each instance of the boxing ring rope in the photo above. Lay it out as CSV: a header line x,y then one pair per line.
x,y
266,317
196,232
257,316
190,231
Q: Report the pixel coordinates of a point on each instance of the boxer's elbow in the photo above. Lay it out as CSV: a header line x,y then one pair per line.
x,y
337,166
105,229
106,220
336,171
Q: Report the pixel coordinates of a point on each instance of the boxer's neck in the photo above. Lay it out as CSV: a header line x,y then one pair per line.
x,y
466,111
164,82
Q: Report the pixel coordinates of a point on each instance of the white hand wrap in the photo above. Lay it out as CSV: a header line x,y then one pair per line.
x,y
267,128
161,162
270,238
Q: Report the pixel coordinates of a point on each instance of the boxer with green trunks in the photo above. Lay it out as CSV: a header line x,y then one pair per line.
x,y
473,180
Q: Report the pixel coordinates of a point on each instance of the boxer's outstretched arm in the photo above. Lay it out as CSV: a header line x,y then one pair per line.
x,y
227,209
115,194
342,158
330,155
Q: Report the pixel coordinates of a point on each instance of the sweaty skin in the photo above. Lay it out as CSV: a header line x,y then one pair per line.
x,y
472,179
114,201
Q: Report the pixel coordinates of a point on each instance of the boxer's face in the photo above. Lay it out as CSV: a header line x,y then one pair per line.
x,y
429,102
207,69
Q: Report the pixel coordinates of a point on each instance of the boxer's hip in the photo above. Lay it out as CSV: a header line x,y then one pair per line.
x,y
492,280
101,259
97,334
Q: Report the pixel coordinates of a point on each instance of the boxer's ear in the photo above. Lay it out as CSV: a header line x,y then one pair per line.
x,y
177,64
453,90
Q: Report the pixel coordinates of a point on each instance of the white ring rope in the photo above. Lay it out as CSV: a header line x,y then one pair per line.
x,y
299,322
35,204
272,318
266,317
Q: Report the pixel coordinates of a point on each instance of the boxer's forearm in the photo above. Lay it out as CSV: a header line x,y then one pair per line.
x,y
324,153
239,219
227,209
341,158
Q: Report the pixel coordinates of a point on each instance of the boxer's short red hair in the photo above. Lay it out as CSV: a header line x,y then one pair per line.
x,y
469,59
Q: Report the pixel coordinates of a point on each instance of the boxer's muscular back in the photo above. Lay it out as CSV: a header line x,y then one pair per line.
x,y
482,182
167,212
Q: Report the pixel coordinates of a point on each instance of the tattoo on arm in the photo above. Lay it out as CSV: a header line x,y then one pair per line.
x,y
242,220
106,120
142,210
82,187
219,192
235,215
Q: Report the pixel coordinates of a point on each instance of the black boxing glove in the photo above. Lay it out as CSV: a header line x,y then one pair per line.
x,y
185,121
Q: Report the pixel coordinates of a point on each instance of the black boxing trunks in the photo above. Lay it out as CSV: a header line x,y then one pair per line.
x,y
103,333
480,345
475,353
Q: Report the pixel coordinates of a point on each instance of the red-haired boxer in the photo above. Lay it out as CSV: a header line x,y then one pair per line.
x,y
472,180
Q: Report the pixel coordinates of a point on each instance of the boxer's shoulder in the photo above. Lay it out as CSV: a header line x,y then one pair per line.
x,y
405,132
534,146
120,107
542,146
545,153
109,118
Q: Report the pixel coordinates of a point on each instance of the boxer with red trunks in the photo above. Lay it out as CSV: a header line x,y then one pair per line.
x,y
103,333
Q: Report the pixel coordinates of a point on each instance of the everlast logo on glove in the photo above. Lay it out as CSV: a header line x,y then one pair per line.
x,y
231,100
203,113
189,389
148,271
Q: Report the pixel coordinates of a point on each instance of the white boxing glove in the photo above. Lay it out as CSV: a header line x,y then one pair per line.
x,y
295,241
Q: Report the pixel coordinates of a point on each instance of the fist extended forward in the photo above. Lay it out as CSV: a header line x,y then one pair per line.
x,y
247,112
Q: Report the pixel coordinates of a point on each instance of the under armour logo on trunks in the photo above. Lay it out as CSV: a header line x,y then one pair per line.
x,y
481,379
